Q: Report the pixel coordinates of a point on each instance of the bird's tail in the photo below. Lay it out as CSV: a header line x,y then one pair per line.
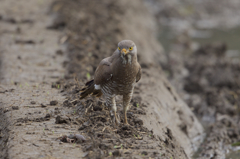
x,y
90,89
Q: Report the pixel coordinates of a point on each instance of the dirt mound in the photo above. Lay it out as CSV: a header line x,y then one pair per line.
x,y
38,114
91,33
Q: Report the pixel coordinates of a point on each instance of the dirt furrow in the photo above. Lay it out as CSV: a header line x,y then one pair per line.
x,y
31,61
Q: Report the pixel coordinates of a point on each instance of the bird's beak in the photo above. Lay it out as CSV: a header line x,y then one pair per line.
x,y
124,51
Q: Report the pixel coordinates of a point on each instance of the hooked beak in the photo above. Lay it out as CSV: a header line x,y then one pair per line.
x,y
124,51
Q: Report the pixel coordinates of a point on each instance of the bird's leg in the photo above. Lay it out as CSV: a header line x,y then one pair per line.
x,y
126,101
114,109
112,103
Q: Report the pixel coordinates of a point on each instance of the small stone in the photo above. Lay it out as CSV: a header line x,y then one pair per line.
x,y
86,124
33,102
138,121
3,91
125,127
15,107
89,147
61,119
97,108
85,154
43,106
79,138
54,102
47,116
116,153
81,128
144,153
66,103
59,52
104,146
5,110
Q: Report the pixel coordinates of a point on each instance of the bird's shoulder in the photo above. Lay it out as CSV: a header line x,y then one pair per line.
x,y
103,72
106,61
109,60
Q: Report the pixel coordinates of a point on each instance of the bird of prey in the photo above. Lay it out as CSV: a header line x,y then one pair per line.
x,y
116,75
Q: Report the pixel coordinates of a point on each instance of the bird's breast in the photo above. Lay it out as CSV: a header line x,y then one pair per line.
x,y
125,75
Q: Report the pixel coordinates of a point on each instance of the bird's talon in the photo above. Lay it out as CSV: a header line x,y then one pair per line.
x,y
126,123
115,120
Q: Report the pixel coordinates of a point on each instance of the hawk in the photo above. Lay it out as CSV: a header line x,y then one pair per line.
x,y
116,75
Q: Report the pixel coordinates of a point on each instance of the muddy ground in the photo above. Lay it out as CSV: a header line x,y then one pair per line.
x,y
44,64
42,116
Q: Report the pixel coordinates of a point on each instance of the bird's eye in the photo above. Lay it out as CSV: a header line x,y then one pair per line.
x,y
130,48
119,48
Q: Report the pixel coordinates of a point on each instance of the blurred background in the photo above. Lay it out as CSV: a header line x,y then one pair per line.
x,y
201,41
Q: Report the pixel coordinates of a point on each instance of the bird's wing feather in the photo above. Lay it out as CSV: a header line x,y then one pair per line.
x,y
139,74
103,72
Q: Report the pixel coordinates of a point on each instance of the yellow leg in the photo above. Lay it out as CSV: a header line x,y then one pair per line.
x,y
111,102
116,119
126,101
125,118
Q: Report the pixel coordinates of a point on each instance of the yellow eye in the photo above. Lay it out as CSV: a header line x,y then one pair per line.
x,y
119,48
130,48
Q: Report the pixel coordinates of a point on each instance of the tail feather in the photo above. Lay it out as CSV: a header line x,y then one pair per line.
x,y
97,93
89,83
90,89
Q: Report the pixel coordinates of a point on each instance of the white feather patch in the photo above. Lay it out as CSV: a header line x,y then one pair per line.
x,y
97,86
129,59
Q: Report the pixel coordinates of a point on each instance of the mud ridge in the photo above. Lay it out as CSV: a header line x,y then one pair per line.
x,y
90,35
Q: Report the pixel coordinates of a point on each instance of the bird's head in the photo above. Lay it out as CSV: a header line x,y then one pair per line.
x,y
127,47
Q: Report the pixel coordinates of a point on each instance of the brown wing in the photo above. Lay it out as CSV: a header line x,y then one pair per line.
x,y
103,72
139,74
